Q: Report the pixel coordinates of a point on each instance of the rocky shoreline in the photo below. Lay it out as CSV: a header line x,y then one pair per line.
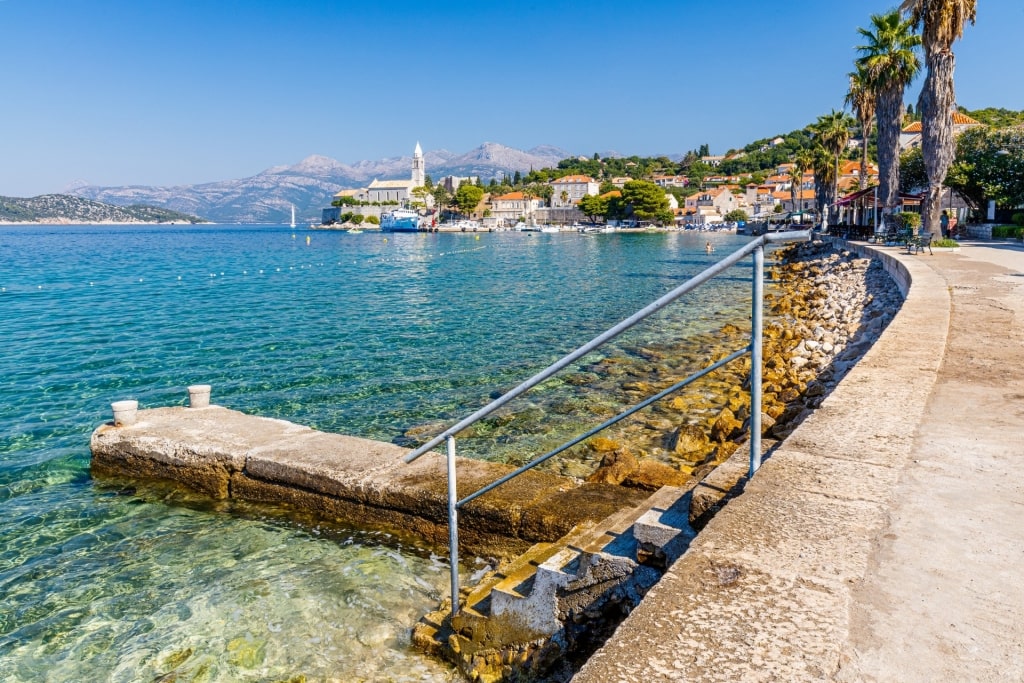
x,y
824,310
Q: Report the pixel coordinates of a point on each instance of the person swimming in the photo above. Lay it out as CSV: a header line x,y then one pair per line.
x,y
709,248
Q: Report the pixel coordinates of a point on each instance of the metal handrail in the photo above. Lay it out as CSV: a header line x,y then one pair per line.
x,y
755,247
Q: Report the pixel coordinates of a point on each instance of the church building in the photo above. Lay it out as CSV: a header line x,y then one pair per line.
x,y
398,191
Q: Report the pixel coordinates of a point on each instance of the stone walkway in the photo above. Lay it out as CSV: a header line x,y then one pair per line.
x,y
884,540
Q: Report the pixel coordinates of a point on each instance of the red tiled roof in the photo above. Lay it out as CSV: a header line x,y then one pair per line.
x,y
574,179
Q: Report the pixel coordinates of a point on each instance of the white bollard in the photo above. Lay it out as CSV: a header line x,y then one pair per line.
x,y
125,412
199,396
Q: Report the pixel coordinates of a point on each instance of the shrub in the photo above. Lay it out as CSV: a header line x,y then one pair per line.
x,y
907,219
1018,219
373,219
1007,232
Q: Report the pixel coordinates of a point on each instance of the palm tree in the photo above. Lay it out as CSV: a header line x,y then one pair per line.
x,y
889,61
796,179
824,177
861,99
942,23
833,132
803,161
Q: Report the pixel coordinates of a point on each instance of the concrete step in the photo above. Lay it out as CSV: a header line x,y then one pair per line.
x,y
589,559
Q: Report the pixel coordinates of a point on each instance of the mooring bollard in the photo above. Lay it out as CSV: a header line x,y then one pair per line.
x,y
125,412
199,396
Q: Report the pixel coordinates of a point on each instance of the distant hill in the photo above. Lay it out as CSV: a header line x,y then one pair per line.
x,y
311,184
997,118
62,208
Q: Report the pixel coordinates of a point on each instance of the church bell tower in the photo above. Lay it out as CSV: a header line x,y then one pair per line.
x,y
419,169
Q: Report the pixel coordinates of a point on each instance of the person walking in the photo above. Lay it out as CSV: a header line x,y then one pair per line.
x,y
944,223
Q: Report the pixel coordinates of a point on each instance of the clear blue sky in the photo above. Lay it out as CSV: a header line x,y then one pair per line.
x,y
162,92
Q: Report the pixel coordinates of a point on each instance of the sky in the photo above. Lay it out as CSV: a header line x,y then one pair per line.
x,y
172,92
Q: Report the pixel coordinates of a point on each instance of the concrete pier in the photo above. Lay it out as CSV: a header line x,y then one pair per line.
x,y
227,454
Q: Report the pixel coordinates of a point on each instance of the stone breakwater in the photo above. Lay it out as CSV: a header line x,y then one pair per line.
x,y
823,311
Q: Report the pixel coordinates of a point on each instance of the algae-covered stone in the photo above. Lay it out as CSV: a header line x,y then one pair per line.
x,y
651,475
687,439
726,426
615,467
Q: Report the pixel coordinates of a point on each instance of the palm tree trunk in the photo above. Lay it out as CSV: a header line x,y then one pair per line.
x,y
865,129
937,145
890,117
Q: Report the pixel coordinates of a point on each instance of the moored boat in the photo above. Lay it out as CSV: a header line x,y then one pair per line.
x,y
400,220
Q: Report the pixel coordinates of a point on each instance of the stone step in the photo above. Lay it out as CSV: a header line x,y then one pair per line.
x,y
588,556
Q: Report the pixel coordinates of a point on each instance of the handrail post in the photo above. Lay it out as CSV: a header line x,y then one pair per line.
x,y
453,526
756,351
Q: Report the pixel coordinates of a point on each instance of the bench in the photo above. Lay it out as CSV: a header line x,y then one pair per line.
x,y
918,243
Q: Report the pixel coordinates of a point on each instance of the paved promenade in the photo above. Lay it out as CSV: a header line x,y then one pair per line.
x,y
884,541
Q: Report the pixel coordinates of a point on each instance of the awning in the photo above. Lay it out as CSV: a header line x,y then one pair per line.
x,y
850,198
905,198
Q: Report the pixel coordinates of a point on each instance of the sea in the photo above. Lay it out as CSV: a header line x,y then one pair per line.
x,y
374,335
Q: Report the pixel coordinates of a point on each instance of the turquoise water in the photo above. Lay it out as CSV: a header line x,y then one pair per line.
x,y
371,335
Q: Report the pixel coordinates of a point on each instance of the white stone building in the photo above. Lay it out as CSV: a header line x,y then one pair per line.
x,y
575,188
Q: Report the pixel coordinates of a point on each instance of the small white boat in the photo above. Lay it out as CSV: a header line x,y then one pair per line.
x,y
355,231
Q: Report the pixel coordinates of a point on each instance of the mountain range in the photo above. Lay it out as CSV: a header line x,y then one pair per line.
x,y
63,208
309,185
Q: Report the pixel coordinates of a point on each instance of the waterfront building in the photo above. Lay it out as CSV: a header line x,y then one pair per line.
x,y
575,188
910,136
514,206
451,183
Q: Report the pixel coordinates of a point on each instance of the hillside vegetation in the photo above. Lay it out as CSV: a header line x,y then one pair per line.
x,y
62,208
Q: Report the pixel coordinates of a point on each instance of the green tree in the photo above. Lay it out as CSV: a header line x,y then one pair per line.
x,y
736,215
989,165
942,23
889,61
420,193
428,182
796,179
824,177
517,178
913,177
594,207
442,198
542,190
647,200
699,170
467,197
833,132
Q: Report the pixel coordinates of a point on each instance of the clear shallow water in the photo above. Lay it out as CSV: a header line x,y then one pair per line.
x,y
351,333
